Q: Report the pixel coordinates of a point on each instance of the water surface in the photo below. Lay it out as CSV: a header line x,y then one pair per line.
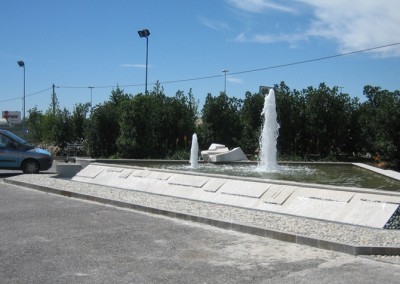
x,y
329,174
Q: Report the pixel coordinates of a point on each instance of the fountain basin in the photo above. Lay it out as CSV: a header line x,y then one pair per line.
x,y
334,174
356,206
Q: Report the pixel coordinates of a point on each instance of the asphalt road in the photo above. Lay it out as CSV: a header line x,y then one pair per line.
x,y
47,238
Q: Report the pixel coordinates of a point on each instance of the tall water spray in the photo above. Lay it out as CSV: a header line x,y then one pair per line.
x,y
269,134
194,152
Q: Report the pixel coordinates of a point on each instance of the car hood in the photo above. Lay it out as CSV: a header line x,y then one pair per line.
x,y
40,151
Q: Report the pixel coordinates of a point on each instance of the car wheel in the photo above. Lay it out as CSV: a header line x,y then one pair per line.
x,y
30,167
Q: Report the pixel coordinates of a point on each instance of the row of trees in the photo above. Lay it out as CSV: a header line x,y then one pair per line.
x,y
314,122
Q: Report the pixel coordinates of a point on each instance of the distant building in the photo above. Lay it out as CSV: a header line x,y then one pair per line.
x,y
12,117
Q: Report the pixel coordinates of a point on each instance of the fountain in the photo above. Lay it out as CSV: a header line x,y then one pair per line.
x,y
194,152
334,203
269,134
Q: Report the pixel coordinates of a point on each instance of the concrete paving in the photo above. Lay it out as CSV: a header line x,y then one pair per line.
x,y
47,238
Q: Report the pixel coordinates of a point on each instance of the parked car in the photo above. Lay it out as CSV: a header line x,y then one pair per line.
x,y
17,154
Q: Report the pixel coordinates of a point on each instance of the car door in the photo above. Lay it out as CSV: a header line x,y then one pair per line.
x,y
9,153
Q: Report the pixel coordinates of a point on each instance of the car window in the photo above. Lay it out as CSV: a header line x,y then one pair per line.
x,y
4,141
15,137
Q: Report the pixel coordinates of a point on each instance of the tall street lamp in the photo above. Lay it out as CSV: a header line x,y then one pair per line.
x,y
22,64
91,97
145,33
225,71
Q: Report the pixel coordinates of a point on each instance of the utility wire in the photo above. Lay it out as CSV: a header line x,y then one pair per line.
x,y
217,76
315,59
255,70
29,95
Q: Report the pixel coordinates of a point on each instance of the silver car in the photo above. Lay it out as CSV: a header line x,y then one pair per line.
x,y
17,154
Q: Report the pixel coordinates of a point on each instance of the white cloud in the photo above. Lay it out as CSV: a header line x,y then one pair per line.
x,y
357,24
234,80
259,6
270,38
352,25
133,65
215,25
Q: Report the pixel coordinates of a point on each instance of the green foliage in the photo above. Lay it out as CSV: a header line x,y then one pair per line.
x,y
314,123
35,125
379,122
102,128
152,125
291,116
327,118
250,115
78,120
221,121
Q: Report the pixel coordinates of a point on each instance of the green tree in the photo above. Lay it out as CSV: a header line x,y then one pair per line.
x,y
78,120
154,125
137,137
35,125
221,121
328,116
290,107
102,128
380,123
250,115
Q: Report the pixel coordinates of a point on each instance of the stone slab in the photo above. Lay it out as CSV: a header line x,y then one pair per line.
x,y
185,180
364,207
140,173
125,173
159,175
380,198
243,188
277,194
213,184
90,172
328,195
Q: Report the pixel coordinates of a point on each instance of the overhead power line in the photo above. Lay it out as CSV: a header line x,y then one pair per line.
x,y
257,69
219,75
316,59
29,95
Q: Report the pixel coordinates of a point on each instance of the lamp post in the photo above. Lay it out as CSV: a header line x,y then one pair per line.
x,y
91,89
22,64
145,33
225,71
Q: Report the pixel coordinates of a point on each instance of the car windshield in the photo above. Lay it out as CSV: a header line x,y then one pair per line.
x,y
15,137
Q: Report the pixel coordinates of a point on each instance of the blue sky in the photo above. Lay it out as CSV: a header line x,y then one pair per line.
x,y
77,44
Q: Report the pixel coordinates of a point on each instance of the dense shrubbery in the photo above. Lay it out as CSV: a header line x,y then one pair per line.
x,y
318,122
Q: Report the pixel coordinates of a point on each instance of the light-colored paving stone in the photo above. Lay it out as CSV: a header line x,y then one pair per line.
x,y
363,207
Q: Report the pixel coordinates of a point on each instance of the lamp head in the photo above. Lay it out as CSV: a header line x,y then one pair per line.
x,y
144,33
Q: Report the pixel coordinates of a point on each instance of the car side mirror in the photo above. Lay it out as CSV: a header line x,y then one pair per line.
x,y
13,145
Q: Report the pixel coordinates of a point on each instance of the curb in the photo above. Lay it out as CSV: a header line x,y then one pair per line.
x,y
273,234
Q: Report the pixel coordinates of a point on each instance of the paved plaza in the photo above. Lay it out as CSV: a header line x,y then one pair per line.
x,y
48,238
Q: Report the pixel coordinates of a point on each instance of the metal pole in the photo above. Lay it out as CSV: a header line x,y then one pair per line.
x,y
53,98
24,94
224,71
147,59
145,33
91,96
22,64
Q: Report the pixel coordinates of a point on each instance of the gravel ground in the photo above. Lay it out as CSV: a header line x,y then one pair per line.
x,y
317,229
